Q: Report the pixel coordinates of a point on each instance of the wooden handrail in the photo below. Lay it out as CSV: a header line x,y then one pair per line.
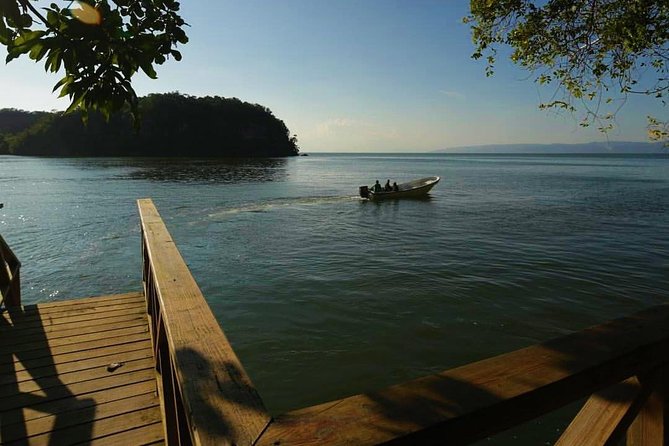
x,y
471,402
207,397
10,277
651,426
607,415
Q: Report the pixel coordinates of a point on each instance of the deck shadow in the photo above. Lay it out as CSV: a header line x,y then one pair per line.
x,y
48,395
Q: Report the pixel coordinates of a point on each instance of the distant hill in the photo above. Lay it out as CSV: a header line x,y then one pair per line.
x,y
591,147
172,124
13,121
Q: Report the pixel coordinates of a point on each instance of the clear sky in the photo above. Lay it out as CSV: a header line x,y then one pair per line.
x,y
351,75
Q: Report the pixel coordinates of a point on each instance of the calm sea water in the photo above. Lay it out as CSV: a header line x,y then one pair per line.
x,y
323,294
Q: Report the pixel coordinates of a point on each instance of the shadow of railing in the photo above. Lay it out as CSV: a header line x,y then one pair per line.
x,y
30,384
10,278
620,365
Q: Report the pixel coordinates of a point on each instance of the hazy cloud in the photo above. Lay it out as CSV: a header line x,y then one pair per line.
x,y
331,126
452,94
353,127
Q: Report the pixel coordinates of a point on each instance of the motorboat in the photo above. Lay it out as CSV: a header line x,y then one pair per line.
x,y
412,189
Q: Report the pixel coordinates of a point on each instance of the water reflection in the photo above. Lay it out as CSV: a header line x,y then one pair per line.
x,y
193,170
425,199
220,170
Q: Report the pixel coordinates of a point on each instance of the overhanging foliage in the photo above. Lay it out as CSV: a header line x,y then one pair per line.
x,y
596,52
100,45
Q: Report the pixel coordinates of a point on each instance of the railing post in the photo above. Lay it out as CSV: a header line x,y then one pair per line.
x,y
651,427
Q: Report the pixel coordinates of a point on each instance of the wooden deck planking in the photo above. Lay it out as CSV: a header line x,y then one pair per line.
x,y
43,383
44,320
67,358
56,388
49,408
72,348
72,342
70,331
88,365
88,305
43,425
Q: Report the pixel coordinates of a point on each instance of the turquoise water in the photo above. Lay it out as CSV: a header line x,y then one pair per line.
x,y
323,294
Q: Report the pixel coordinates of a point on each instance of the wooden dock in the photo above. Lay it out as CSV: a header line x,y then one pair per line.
x,y
79,371
155,367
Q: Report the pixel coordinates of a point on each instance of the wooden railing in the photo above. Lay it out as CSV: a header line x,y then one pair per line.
x,y
621,362
10,277
206,395
622,366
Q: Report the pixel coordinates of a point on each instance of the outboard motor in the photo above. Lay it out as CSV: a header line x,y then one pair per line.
x,y
364,191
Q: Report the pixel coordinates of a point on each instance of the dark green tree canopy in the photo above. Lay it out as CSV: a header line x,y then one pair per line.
x,y
594,51
172,125
100,45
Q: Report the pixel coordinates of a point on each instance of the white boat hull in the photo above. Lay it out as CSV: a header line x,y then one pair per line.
x,y
412,189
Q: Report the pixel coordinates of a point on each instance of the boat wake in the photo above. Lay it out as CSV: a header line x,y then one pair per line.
x,y
281,203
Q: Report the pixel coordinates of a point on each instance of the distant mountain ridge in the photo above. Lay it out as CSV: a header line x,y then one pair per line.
x,y
591,147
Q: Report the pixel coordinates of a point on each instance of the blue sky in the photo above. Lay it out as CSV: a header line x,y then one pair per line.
x,y
346,75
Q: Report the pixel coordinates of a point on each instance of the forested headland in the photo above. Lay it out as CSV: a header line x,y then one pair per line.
x,y
172,124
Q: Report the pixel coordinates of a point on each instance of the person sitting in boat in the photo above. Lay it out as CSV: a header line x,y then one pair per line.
x,y
377,187
395,187
387,187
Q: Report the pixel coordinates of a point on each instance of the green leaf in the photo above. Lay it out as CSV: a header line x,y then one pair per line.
x,y
10,9
37,51
5,33
147,68
53,61
25,21
76,100
52,17
27,37
63,82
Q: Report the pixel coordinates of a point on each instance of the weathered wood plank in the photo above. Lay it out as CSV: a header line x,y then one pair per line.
x,y
72,310
80,415
81,303
476,400
651,427
82,365
67,329
92,399
45,345
121,425
144,435
45,384
82,347
79,389
51,311
605,417
220,400
101,326
75,356
70,317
